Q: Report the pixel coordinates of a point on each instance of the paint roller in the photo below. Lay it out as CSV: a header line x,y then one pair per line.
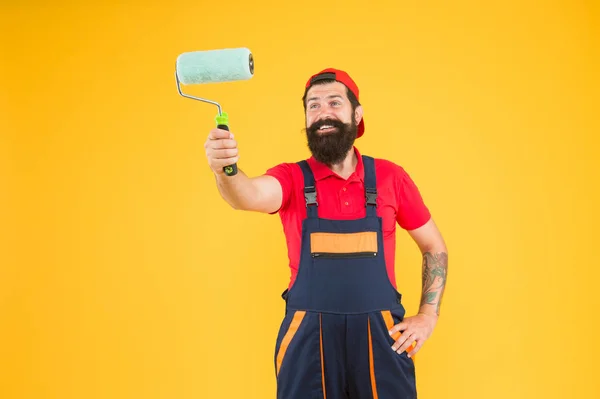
x,y
214,66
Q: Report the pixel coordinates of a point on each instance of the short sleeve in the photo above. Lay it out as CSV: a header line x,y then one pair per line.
x,y
284,174
412,212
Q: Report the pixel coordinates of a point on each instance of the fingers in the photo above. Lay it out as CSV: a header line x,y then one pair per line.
x,y
398,327
415,331
223,153
221,150
416,348
219,157
403,337
410,336
407,343
217,165
404,342
220,143
218,134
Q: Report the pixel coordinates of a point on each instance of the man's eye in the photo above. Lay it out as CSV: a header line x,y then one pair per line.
x,y
335,103
313,106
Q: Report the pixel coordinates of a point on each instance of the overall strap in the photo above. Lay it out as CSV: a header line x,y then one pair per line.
x,y
370,186
310,192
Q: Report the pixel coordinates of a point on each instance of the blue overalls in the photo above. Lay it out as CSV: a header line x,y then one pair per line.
x,y
333,342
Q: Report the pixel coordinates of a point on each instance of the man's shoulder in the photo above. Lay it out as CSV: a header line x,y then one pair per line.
x,y
386,163
386,167
285,171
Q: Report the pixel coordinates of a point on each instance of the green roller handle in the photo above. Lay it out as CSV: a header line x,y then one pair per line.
x,y
223,123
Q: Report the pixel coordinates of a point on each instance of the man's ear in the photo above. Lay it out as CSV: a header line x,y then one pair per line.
x,y
358,114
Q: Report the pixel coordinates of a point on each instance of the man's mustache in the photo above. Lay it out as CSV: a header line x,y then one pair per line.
x,y
324,122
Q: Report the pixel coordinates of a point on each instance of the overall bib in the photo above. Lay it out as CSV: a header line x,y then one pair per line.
x,y
333,342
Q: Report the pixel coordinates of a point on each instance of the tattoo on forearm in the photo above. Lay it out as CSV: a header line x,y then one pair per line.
x,y
435,269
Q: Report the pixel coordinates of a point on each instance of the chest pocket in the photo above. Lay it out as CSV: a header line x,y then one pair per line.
x,y
344,245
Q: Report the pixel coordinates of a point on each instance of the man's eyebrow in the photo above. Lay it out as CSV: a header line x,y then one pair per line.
x,y
330,96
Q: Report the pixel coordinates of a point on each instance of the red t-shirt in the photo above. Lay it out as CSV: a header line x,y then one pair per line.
x,y
398,201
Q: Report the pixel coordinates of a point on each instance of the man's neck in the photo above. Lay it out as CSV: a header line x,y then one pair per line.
x,y
347,166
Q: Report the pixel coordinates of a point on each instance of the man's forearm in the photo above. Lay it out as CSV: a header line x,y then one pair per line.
x,y
238,191
435,270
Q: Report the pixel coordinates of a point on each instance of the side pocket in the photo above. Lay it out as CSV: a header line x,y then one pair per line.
x,y
290,326
390,321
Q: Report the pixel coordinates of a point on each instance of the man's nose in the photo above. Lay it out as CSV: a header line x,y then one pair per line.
x,y
325,113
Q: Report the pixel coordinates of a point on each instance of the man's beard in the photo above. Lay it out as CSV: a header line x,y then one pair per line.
x,y
331,148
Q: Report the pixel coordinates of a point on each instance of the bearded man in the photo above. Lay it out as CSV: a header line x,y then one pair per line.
x,y
344,333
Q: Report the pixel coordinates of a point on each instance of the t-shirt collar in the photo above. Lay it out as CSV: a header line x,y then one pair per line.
x,y
322,171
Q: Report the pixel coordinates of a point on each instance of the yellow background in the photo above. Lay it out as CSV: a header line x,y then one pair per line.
x,y
124,275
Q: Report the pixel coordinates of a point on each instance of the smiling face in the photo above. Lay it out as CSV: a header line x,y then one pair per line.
x,y
331,122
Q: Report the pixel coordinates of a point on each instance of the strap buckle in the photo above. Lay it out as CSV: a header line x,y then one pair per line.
x,y
310,195
371,196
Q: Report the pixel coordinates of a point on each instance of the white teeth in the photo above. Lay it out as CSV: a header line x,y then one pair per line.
x,y
325,127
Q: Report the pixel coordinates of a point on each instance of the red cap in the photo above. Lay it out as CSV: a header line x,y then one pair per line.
x,y
342,77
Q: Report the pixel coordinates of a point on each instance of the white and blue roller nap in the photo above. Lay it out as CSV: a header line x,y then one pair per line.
x,y
214,66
